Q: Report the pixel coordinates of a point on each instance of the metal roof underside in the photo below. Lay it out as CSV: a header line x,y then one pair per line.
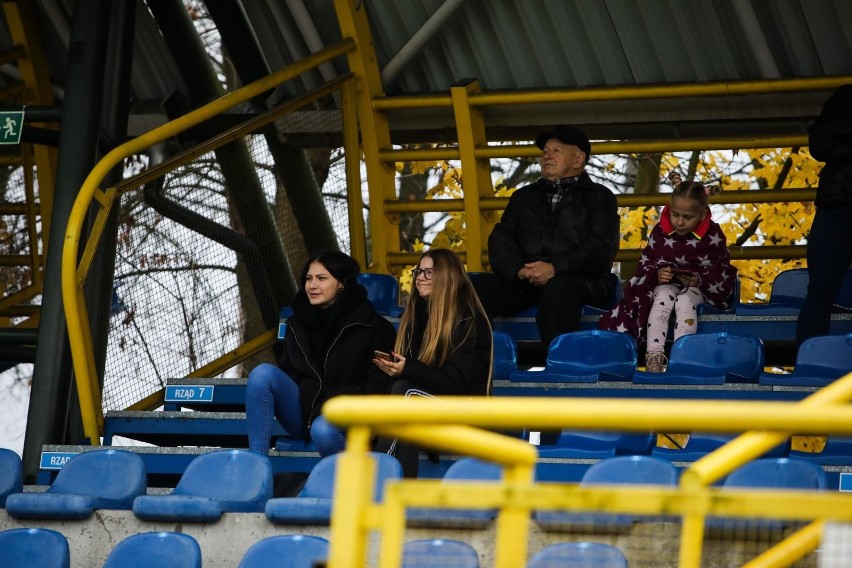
x,y
426,46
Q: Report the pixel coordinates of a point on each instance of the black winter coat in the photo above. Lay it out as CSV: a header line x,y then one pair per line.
x,y
580,237
467,369
346,367
831,142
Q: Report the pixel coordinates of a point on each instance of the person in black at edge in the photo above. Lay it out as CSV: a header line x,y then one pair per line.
x,y
556,241
830,239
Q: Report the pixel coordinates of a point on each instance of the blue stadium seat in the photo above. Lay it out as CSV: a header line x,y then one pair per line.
x,y
383,292
429,553
11,475
155,549
634,470
97,479
586,357
767,473
580,554
213,483
464,469
505,356
700,444
820,361
286,551
597,445
789,290
709,359
837,451
313,504
34,548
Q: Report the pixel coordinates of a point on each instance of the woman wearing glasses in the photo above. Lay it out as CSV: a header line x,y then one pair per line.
x,y
444,342
328,349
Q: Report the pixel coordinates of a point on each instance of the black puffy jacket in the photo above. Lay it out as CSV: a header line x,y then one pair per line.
x,y
580,237
831,142
347,366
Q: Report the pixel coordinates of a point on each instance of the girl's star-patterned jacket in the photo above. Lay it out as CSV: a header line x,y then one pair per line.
x,y
704,251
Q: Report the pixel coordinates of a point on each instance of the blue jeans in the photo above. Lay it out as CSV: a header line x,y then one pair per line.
x,y
829,254
329,439
272,394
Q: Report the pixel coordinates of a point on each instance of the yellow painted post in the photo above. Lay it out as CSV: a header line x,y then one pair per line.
x,y
356,472
352,153
470,129
691,541
375,133
513,522
793,548
393,528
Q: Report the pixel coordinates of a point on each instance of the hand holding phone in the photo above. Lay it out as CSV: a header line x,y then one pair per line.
x,y
382,355
682,271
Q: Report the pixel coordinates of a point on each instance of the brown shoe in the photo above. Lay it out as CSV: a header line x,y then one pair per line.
x,y
655,362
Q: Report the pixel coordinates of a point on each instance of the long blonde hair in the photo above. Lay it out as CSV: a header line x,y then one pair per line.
x,y
452,299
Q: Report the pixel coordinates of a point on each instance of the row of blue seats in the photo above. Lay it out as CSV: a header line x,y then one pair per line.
x,y
46,548
241,481
786,297
699,359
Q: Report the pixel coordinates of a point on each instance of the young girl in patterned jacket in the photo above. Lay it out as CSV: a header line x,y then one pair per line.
x,y
684,265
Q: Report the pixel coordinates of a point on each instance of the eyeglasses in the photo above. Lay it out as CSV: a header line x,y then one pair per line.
x,y
426,272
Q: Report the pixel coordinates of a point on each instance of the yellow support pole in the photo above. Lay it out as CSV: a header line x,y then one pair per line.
x,y
375,132
470,129
513,522
351,501
352,152
638,92
793,548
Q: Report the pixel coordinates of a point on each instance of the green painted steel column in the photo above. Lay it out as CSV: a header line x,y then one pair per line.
x,y
51,392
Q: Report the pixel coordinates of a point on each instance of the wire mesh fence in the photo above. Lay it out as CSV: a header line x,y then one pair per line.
x,y
208,252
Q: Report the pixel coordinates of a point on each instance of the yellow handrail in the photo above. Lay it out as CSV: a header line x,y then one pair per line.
x,y
72,280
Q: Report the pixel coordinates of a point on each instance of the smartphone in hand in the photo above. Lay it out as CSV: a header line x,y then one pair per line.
x,y
382,355
682,271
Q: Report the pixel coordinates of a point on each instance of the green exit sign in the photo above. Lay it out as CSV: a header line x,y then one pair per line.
x,y
11,123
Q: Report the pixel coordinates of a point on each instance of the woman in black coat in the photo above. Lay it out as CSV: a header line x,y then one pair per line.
x,y
444,343
328,349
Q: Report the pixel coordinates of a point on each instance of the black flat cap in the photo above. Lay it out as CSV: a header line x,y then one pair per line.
x,y
568,135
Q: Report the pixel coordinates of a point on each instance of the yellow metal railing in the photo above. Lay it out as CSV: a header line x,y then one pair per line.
x,y
438,426
473,151
74,274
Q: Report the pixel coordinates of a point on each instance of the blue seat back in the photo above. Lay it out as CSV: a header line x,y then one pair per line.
x,y
639,470
115,477
827,356
286,551
604,354
505,356
382,291
320,482
595,554
735,357
235,478
790,286
473,469
156,549
11,475
781,473
428,553
42,548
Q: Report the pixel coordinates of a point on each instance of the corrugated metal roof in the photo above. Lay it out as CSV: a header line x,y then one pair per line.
x,y
510,45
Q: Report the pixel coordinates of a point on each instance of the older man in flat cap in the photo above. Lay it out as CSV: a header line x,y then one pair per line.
x,y
555,243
